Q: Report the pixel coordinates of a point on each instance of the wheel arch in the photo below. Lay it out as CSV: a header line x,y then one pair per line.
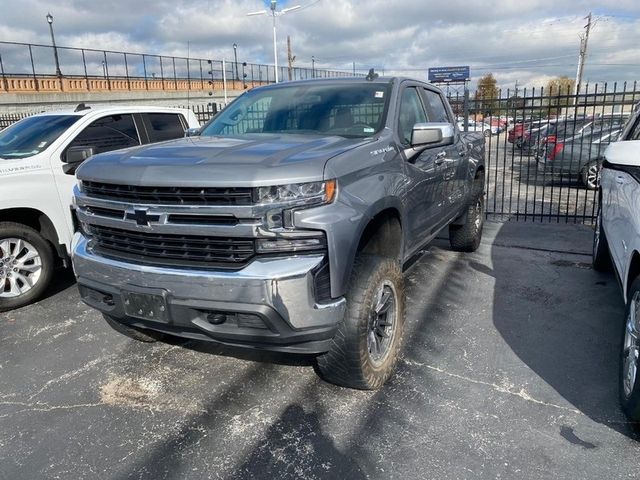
x,y
379,232
632,273
382,235
37,220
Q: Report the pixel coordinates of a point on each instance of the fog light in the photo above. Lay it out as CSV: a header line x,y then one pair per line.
x,y
216,318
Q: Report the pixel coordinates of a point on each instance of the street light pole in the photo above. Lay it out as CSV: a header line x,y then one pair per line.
x,y
235,57
274,13
49,18
313,66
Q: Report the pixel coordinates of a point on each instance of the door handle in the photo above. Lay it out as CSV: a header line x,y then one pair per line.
x,y
440,158
620,180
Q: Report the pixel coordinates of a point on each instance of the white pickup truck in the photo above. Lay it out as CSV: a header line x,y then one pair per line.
x,y
38,159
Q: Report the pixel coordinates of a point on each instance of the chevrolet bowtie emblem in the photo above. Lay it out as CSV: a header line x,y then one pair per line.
x,y
142,217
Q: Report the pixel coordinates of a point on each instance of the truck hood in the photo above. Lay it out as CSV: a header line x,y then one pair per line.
x,y
253,160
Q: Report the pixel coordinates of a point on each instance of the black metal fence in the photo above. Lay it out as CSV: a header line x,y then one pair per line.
x,y
202,111
544,148
34,60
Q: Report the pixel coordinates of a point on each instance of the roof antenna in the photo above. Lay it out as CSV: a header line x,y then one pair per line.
x,y
81,107
372,75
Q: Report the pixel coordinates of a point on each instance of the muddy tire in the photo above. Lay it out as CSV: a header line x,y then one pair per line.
x,y
366,346
466,236
26,265
146,336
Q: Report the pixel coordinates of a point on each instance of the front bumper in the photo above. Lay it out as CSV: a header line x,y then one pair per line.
x,y
276,294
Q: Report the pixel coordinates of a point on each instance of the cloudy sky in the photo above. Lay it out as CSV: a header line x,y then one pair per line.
x,y
525,41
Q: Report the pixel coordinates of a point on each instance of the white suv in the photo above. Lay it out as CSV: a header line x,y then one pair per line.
x,y
38,158
617,242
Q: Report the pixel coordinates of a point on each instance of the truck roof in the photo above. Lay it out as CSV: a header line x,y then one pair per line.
x,y
343,81
114,109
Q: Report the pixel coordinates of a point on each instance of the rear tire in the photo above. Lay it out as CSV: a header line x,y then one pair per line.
x,y
600,259
146,336
26,265
629,359
467,236
366,346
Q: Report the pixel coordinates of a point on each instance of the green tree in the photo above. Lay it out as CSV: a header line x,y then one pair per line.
x,y
559,93
486,94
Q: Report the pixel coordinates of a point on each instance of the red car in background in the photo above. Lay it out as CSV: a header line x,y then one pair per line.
x,y
518,133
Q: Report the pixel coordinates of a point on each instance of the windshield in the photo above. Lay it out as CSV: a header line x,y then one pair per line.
x,y
33,135
348,110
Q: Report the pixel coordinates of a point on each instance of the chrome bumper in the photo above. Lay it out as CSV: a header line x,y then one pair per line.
x,y
278,290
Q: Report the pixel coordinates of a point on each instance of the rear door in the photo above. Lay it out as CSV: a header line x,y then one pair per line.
x,y
159,127
455,173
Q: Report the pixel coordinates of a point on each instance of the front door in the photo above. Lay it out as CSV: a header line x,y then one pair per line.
x,y
425,172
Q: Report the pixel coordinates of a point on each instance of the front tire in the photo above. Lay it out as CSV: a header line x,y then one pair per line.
x,y
629,358
26,265
600,259
367,344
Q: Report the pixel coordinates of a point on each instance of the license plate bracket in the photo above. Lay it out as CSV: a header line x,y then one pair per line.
x,y
146,306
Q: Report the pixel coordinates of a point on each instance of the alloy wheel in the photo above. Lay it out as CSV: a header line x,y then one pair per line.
x,y
631,346
593,176
382,324
20,267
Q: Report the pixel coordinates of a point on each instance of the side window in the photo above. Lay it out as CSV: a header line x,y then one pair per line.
x,y
411,112
436,107
165,126
109,133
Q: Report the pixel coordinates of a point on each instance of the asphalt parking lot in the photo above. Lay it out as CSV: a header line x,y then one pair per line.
x,y
509,371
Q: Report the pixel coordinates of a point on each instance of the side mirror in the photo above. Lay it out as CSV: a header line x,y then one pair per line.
x,y
625,153
192,132
74,156
432,134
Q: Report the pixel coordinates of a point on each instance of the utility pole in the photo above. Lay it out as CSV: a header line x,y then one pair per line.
x,y
290,58
275,13
584,39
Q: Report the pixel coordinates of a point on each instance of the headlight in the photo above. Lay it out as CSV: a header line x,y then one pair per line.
x,y
305,193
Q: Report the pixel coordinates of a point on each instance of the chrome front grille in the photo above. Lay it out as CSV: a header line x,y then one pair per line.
x,y
182,235
170,195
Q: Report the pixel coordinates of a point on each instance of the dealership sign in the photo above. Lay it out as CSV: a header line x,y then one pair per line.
x,y
449,74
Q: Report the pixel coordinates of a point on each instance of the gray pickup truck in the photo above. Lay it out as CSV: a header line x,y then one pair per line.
x,y
284,224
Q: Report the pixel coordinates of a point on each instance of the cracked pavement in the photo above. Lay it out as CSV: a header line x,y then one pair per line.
x,y
509,370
